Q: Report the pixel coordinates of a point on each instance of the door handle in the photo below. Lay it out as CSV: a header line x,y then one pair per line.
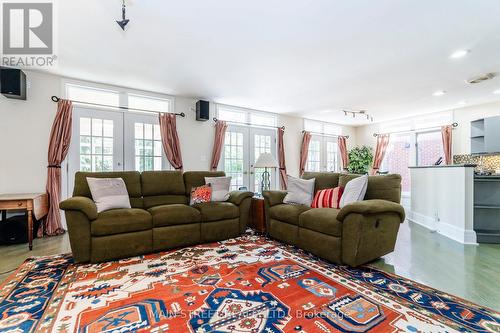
x,y
245,172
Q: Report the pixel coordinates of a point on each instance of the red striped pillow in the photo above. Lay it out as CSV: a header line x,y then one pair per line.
x,y
329,198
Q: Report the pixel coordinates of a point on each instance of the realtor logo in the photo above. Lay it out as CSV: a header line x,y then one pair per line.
x,y
28,28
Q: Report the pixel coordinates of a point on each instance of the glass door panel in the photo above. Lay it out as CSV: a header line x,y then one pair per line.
x,y
235,156
398,158
97,142
143,145
429,148
332,155
262,141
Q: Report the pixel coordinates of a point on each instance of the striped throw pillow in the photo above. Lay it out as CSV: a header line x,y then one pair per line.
x,y
328,198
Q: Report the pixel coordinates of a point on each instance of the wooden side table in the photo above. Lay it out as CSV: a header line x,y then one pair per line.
x,y
36,204
258,215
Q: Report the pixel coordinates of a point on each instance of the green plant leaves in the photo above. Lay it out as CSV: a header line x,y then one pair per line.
x,y
360,160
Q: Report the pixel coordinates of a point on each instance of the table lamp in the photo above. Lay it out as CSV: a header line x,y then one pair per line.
x,y
266,161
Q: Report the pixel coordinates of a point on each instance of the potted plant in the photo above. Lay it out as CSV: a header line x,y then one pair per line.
x,y
360,160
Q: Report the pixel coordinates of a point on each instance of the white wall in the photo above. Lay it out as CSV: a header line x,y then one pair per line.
x,y
24,134
25,129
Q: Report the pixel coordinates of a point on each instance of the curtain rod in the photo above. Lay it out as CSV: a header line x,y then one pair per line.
x,y
454,125
248,124
57,99
328,135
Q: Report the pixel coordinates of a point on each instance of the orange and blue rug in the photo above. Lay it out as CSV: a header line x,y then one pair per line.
x,y
245,285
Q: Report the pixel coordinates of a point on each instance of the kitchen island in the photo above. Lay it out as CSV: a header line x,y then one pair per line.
x,y
442,200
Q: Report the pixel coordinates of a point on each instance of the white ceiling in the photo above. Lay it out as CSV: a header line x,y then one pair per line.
x,y
305,57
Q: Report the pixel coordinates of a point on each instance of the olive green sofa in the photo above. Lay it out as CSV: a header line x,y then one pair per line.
x,y
160,217
356,234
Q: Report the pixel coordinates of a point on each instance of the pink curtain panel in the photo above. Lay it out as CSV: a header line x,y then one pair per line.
x,y
447,135
60,138
382,143
281,158
304,150
342,142
220,133
170,139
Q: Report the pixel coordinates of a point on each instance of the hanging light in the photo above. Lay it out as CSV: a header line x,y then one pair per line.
x,y
124,20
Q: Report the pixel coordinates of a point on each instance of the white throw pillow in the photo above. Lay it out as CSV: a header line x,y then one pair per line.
x,y
220,187
354,190
300,191
108,193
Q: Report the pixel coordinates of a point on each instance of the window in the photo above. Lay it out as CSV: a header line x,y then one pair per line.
x,y
262,144
234,158
323,152
113,139
92,95
148,103
248,135
332,156
246,116
96,144
429,147
398,158
314,155
148,147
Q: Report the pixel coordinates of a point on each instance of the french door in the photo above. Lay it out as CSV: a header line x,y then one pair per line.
x,y
114,141
323,154
242,147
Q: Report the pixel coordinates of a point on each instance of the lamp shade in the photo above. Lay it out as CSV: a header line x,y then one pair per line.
x,y
266,160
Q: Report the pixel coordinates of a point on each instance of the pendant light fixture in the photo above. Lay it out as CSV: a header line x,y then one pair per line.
x,y
124,21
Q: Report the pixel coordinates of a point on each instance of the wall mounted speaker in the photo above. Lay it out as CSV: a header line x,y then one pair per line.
x,y
13,83
202,110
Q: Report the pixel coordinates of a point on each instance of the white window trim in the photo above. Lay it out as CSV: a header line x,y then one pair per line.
x,y
248,113
122,91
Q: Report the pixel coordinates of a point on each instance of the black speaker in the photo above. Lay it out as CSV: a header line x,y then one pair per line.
x,y
14,230
202,110
13,83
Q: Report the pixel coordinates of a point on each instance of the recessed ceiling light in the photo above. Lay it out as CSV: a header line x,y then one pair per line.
x,y
439,93
497,92
461,103
459,54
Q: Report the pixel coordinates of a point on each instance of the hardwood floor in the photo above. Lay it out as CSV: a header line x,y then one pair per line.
x,y
471,272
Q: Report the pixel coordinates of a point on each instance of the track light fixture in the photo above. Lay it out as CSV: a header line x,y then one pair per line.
x,y
124,21
355,113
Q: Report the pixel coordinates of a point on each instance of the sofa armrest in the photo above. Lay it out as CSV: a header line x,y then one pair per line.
x,y
368,207
274,198
237,197
82,204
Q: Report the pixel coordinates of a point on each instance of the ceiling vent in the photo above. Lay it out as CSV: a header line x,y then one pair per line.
x,y
481,78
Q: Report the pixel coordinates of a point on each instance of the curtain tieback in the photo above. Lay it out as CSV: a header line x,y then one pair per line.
x,y
54,166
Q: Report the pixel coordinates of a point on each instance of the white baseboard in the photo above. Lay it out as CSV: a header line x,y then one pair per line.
x,y
423,220
457,234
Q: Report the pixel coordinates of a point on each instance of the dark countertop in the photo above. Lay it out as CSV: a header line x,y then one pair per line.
x,y
445,166
492,177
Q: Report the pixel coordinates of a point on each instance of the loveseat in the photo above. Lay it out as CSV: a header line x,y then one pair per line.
x,y
356,234
160,217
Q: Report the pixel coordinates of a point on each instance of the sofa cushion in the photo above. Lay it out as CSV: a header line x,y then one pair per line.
x,y
288,213
108,193
384,187
120,221
197,178
217,211
162,188
176,214
323,180
322,220
132,180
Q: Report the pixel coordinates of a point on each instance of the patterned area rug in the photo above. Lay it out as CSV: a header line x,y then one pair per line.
x,y
248,284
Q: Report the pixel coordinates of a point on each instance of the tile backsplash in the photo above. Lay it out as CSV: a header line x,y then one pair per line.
x,y
489,162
